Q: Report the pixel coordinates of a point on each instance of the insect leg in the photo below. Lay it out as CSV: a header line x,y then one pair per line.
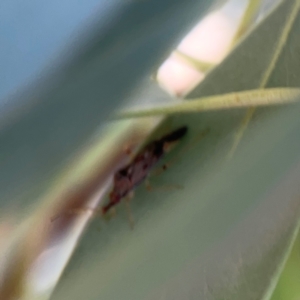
x,y
110,214
128,210
130,148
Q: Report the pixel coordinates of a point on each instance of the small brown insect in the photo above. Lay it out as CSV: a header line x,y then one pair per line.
x,y
132,175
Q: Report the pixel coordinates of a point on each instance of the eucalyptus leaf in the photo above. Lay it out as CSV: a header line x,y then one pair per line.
x,y
227,234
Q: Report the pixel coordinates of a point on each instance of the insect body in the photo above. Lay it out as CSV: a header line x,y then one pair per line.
x,y
127,178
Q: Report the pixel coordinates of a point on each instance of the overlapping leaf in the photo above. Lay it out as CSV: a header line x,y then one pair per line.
x,y
228,232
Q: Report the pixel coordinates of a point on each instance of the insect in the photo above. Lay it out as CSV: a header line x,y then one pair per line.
x,y
132,175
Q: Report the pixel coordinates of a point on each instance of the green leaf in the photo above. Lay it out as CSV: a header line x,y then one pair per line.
x,y
288,287
228,232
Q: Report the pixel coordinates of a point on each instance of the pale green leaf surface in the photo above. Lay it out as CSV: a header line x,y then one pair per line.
x,y
226,234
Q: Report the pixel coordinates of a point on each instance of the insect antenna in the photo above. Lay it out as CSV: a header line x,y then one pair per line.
x,y
175,135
